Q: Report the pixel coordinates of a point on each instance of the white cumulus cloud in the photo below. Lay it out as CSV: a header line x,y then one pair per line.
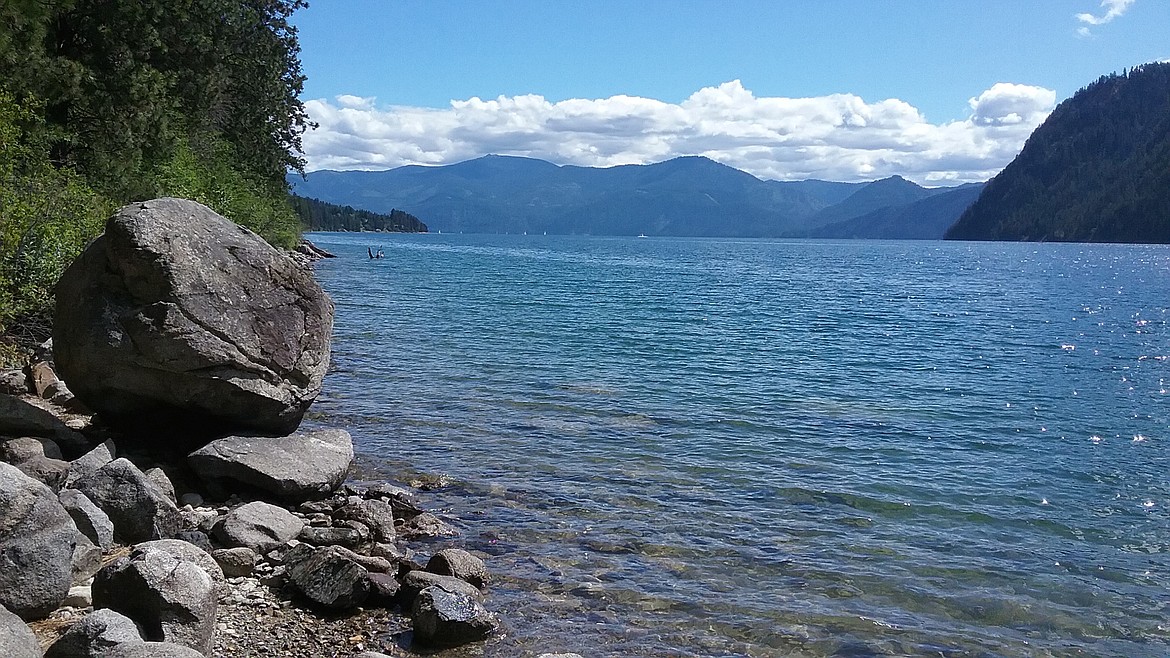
x,y
836,137
1113,9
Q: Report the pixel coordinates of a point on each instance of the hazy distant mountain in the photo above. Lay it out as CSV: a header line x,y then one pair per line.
x,y
690,196
925,219
1097,170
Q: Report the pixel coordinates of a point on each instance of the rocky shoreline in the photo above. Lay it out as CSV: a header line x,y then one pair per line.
x,y
333,576
184,518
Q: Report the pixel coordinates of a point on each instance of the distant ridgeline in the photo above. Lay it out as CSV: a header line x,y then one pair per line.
x,y
1098,170
689,196
317,215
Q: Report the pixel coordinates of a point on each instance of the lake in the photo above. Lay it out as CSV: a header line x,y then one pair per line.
x,y
703,447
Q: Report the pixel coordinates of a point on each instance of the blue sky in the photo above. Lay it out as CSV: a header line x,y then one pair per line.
x,y
940,91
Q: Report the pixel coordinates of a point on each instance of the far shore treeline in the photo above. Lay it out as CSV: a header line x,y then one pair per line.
x,y
317,215
104,103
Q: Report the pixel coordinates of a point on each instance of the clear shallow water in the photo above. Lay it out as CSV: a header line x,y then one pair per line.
x,y
763,448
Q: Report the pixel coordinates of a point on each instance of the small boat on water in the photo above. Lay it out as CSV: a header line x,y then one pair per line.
x,y
642,235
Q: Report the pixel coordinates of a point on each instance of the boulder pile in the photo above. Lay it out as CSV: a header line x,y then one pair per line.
x,y
99,533
162,476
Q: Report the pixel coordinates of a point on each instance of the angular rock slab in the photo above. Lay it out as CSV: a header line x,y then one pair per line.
x,y
172,600
377,515
303,466
91,461
89,518
235,562
87,559
416,581
178,318
329,578
20,416
258,526
138,510
37,539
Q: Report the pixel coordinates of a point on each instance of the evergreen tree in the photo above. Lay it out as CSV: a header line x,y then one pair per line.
x,y
1097,170
317,215
103,102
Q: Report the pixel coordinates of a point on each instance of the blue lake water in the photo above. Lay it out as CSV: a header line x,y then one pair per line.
x,y
676,447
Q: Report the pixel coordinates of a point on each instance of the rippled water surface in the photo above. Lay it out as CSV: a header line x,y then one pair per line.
x,y
762,448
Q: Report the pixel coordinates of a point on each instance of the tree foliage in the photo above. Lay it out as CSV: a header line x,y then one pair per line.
x,y
1097,170
317,215
104,102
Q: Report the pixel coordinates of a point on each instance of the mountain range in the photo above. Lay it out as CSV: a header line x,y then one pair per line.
x,y
687,196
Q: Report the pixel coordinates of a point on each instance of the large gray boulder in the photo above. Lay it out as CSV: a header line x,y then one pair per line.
x,y
258,526
176,318
303,466
16,640
171,599
139,511
37,539
100,630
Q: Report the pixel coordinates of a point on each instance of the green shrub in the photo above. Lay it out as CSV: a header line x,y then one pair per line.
x,y
206,175
47,217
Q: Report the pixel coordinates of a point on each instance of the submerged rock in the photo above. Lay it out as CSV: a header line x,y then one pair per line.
x,y
448,619
177,319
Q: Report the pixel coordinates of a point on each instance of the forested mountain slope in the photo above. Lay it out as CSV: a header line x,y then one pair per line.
x,y
317,215
1097,170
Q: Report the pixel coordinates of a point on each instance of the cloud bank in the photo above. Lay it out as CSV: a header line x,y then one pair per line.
x,y
1113,9
838,137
